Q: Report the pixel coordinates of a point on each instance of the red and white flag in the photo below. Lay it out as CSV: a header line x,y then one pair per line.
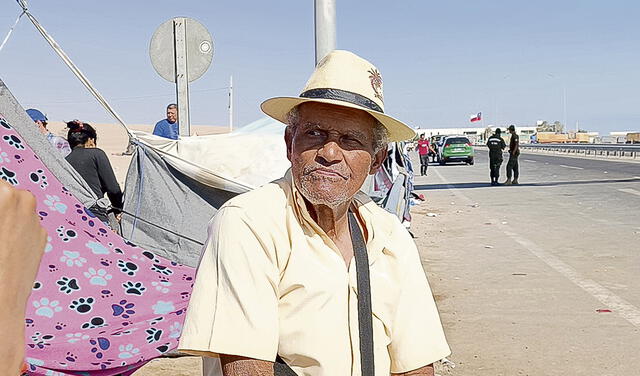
x,y
476,117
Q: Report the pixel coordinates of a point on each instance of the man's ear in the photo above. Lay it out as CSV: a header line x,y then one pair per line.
x,y
288,139
378,159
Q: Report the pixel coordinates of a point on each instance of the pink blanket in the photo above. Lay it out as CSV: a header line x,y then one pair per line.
x,y
99,306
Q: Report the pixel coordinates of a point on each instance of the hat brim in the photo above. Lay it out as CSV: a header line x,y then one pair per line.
x,y
279,107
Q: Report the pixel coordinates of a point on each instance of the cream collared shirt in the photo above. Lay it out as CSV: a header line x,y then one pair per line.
x,y
271,282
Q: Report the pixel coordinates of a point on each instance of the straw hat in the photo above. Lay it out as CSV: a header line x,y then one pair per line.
x,y
343,79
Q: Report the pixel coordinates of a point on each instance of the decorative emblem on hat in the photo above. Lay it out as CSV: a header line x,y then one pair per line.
x,y
376,82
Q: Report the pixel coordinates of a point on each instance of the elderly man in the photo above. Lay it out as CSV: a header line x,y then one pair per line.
x,y
278,289
168,128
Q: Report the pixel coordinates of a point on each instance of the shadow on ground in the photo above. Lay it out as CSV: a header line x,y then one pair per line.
x,y
427,187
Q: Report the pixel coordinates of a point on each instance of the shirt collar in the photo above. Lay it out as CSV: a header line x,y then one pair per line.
x,y
377,232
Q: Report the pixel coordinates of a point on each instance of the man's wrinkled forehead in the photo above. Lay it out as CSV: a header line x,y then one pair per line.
x,y
335,118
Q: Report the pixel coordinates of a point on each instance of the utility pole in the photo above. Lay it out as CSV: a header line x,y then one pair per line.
x,y
325,25
182,78
231,104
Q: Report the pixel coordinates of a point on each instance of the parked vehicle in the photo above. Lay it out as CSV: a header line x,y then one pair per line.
x,y
456,149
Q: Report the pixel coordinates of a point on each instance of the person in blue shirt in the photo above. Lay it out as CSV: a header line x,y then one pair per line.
x,y
168,127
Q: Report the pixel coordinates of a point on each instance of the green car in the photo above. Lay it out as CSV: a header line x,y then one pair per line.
x,y
456,149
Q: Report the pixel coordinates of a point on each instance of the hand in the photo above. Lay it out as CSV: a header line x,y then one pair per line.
x,y
23,240
118,217
22,245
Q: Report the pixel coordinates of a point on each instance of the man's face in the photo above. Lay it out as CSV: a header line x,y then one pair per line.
x,y
172,115
422,137
331,152
42,126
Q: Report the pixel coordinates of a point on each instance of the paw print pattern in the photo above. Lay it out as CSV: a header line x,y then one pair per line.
x,y
8,176
4,157
153,335
95,322
175,330
4,124
161,269
132,288
38,177
40,341
162,286
98,277
123,309
127,267
46,308
37,285
72,258
68,285
127,351
150,256
70,357
13,141
82,305
54,204
100,344
76,337
66,234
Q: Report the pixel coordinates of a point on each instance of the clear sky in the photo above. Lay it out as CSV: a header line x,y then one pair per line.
x,y
441,60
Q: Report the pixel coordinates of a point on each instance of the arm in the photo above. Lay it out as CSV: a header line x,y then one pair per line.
x,y
108,180
240,366
157,130
423,371
234,302
417,336
22,244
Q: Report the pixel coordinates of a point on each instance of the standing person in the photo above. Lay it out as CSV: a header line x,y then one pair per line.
x,y
58,142
278,277
496,145
94,166
423,151
169,127
22,245
514,153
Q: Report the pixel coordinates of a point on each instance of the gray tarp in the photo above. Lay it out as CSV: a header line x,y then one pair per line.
x,y
166,211
53,159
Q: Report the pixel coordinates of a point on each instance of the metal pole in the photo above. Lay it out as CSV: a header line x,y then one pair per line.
x,y
231,104
325,25
182,79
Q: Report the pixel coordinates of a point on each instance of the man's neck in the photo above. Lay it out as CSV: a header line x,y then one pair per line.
x,y
333,220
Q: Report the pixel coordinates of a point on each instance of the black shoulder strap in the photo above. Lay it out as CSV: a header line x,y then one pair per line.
x,y
365,315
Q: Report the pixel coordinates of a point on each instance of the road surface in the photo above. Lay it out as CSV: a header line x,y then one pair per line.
x,y
537,279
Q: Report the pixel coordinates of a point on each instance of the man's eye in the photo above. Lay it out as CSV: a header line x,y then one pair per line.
x,y
352,141
314,133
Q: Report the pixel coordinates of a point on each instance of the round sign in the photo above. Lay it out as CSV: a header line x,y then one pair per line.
x,y
199,48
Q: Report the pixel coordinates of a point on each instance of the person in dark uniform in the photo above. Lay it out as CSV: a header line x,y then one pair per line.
x,y
514,153
94,167
496,145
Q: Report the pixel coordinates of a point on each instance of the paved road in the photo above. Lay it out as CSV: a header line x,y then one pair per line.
x,y
520,272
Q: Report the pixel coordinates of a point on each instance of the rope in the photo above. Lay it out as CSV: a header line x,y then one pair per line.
x,y
85,81
11,31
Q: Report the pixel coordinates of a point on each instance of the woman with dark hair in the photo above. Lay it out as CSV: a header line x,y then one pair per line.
x,y
94,166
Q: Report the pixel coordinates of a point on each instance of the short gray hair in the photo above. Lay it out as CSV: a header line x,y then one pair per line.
x,y
380,132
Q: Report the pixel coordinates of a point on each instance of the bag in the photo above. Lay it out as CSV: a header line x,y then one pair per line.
x,y
365,320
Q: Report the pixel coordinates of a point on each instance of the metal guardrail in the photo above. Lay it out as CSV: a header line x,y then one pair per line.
x,y
596,150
